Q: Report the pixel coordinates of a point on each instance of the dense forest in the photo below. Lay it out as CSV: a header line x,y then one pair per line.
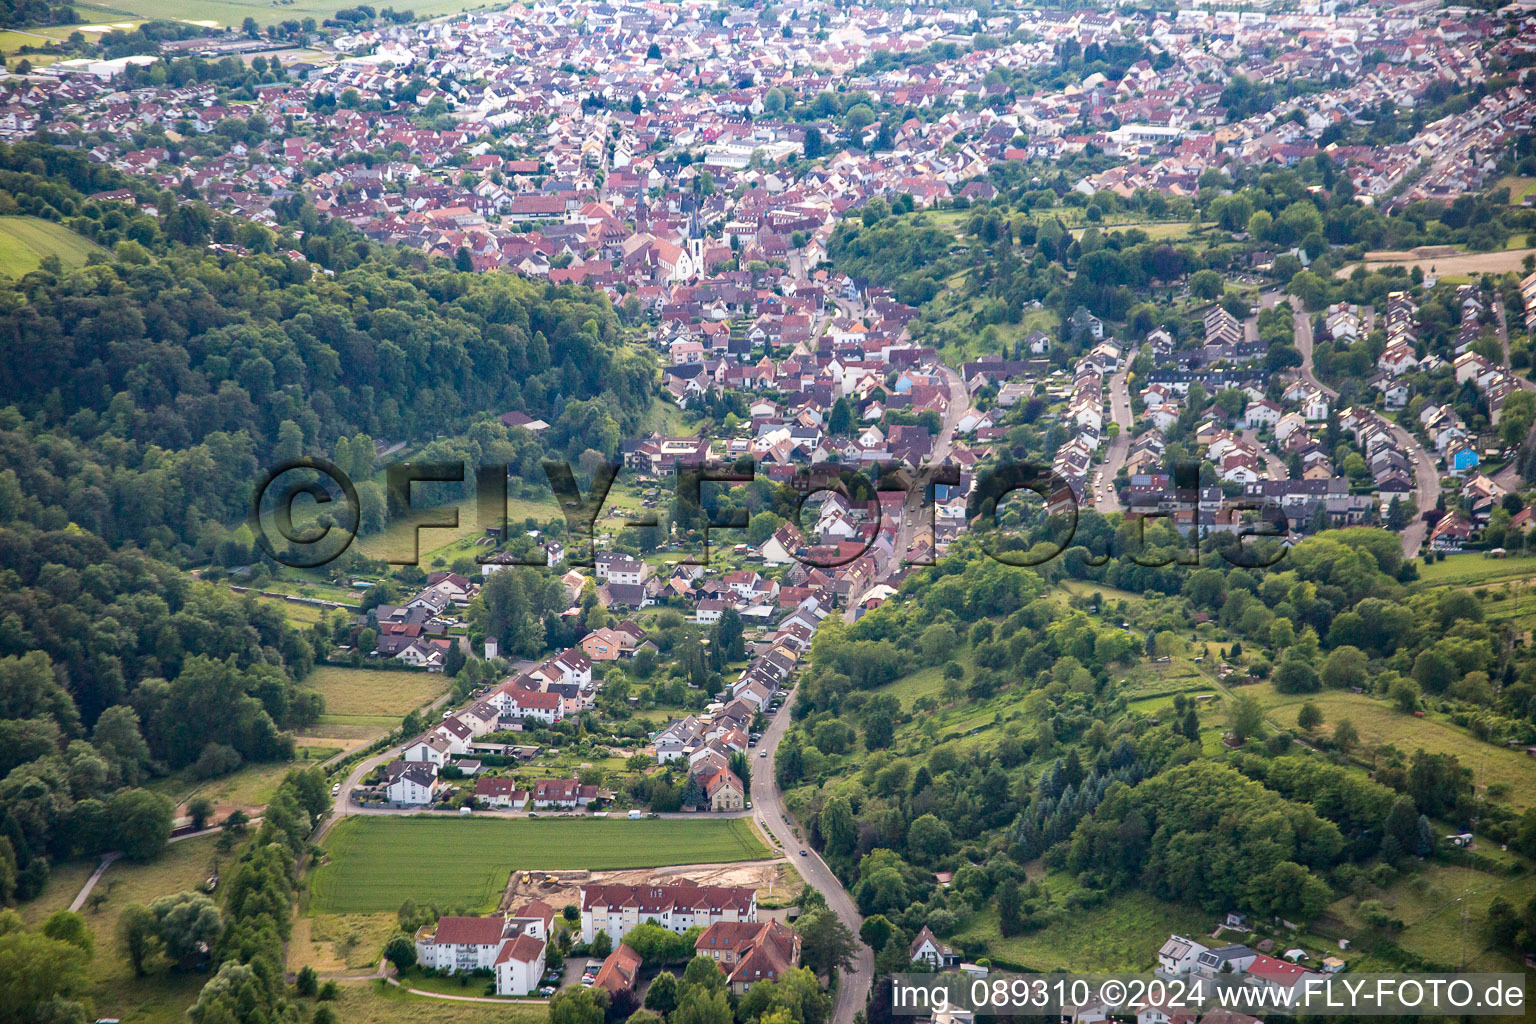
x,y
148,389
145,392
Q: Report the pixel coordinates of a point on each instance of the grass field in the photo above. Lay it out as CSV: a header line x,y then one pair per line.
x,y
300,615
1518,187
1125,933
336,943
249,786
1378,723
1430,903
115,990
64,881
375,863
378,1003
372,692
26,241
1473,570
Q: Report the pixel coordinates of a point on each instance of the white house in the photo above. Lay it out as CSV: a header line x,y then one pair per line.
x,y
1178,955
411,782
519,966
1261,413
612,567
431,748
512,948
677,906
928,949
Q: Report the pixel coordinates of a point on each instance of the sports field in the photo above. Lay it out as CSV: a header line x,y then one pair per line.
x,y
25,241
375,863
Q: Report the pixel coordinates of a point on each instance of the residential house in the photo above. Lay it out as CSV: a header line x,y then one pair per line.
x,y
927,948
411,782
676,906
749,952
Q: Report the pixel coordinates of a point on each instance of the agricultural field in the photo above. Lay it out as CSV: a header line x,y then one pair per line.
x,y
221,13
1379,723
374,864
26,241
371,692
1518,187
1462,263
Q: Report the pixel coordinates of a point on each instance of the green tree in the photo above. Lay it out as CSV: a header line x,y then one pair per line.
x,y
1345,666
662,995
826,944
703,972
186,923
68,926
1296,675
876,931
38,975
1205,284
928,838
139,934
200,811
1309,717
839,831
579,1006
1404,693
1247,717
700,1006
141,822
401,952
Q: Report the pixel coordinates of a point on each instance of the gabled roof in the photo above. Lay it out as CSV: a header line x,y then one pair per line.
x,y
469,931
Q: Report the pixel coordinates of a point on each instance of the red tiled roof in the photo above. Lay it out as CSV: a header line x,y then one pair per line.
x,y
469,931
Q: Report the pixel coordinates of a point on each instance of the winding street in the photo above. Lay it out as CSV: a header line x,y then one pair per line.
x,y
768,805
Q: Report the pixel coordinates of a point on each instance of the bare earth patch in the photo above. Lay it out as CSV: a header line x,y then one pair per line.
x,y
1463,263
774,881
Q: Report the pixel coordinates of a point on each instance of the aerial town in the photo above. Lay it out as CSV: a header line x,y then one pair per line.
x,y
633,512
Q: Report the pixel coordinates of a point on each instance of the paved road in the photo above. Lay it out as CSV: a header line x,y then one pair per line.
x,y
1273,465
1105,498
90,883
912,512
1426,476
342,806
768,804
